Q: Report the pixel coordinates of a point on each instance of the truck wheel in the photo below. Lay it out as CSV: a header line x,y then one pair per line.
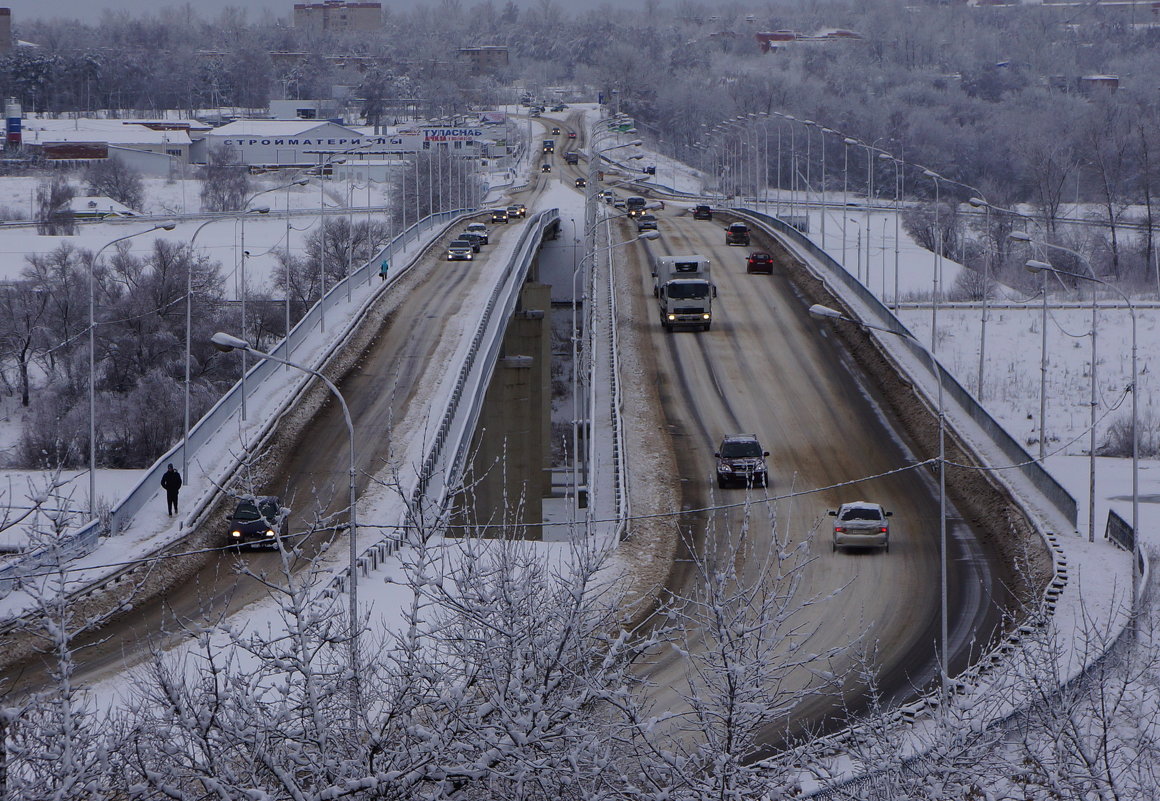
x,y
705,327
720,482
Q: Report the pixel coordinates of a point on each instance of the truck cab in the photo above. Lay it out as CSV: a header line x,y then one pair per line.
x,y
635,206
684,291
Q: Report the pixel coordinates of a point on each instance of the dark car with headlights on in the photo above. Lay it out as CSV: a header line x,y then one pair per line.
x,y
258,522
517,211
741,460
499,215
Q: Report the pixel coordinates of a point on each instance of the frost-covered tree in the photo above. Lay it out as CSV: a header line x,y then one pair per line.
x,y
115,179
224,181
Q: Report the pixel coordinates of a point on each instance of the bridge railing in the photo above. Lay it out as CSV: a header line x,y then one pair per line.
x,y
84,539
881,315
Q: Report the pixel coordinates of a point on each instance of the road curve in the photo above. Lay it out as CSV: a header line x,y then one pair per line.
x,y
768,368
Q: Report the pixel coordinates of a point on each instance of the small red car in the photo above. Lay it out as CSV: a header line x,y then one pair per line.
x,y
571,134
759,263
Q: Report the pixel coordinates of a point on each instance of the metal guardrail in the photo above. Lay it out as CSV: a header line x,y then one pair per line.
x,y
85,539
1059,497
440,469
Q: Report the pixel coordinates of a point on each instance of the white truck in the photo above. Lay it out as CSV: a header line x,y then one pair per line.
x,y
684,291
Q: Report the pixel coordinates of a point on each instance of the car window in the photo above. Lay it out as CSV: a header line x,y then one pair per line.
x,y
246,511
861,513
270,509
741,449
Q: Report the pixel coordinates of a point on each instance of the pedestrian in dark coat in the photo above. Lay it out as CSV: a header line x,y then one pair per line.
x,y
171,483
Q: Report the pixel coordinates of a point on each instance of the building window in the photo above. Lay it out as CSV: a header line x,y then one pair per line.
x,y
173,153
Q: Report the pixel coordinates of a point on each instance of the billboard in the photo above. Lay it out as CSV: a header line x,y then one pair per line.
x,y
492,117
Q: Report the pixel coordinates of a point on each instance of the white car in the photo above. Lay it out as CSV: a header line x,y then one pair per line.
x,y
861,524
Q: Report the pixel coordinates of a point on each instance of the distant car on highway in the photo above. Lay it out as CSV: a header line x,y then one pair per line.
x,y
759,262
517,211
476,240
545,167
737,234
499,215
571,134
559,107
741,460
702,212
646,222
258,522
460,250
555,132
480,229
581,183
861,524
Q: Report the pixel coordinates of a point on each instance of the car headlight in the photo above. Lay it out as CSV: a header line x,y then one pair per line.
x,y
235,533
672,317
269,532
705,316
724,468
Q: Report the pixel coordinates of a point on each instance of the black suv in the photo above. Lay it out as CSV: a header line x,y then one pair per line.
x,y
258,521
702,213
740,460
737,234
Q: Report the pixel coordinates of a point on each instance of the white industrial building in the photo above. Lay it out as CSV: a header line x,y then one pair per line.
x,y
302,143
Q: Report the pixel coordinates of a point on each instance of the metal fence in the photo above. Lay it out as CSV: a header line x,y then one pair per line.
x,y
85,539
1012,450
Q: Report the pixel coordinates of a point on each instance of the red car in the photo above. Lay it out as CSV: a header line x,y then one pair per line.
x,y
759,263
571,134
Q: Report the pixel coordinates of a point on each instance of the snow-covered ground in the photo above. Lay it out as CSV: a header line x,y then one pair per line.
x,y
1010,388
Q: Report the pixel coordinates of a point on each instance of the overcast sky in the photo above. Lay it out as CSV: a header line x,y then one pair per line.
x,y
91,10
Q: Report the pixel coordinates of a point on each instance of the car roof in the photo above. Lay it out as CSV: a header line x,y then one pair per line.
x,y
861,505
738,437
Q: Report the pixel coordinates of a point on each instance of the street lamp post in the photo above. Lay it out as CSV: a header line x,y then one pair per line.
x,y
1040,266
1044,268
165,226
846,142
826,313
576,416
937,263
226,343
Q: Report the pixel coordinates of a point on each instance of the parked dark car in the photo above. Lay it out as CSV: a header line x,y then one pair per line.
x,y
258,522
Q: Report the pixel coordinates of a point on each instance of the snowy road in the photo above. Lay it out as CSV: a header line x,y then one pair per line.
x,y
765,368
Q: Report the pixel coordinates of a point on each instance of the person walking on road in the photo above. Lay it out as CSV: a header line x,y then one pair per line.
x,y
171,483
